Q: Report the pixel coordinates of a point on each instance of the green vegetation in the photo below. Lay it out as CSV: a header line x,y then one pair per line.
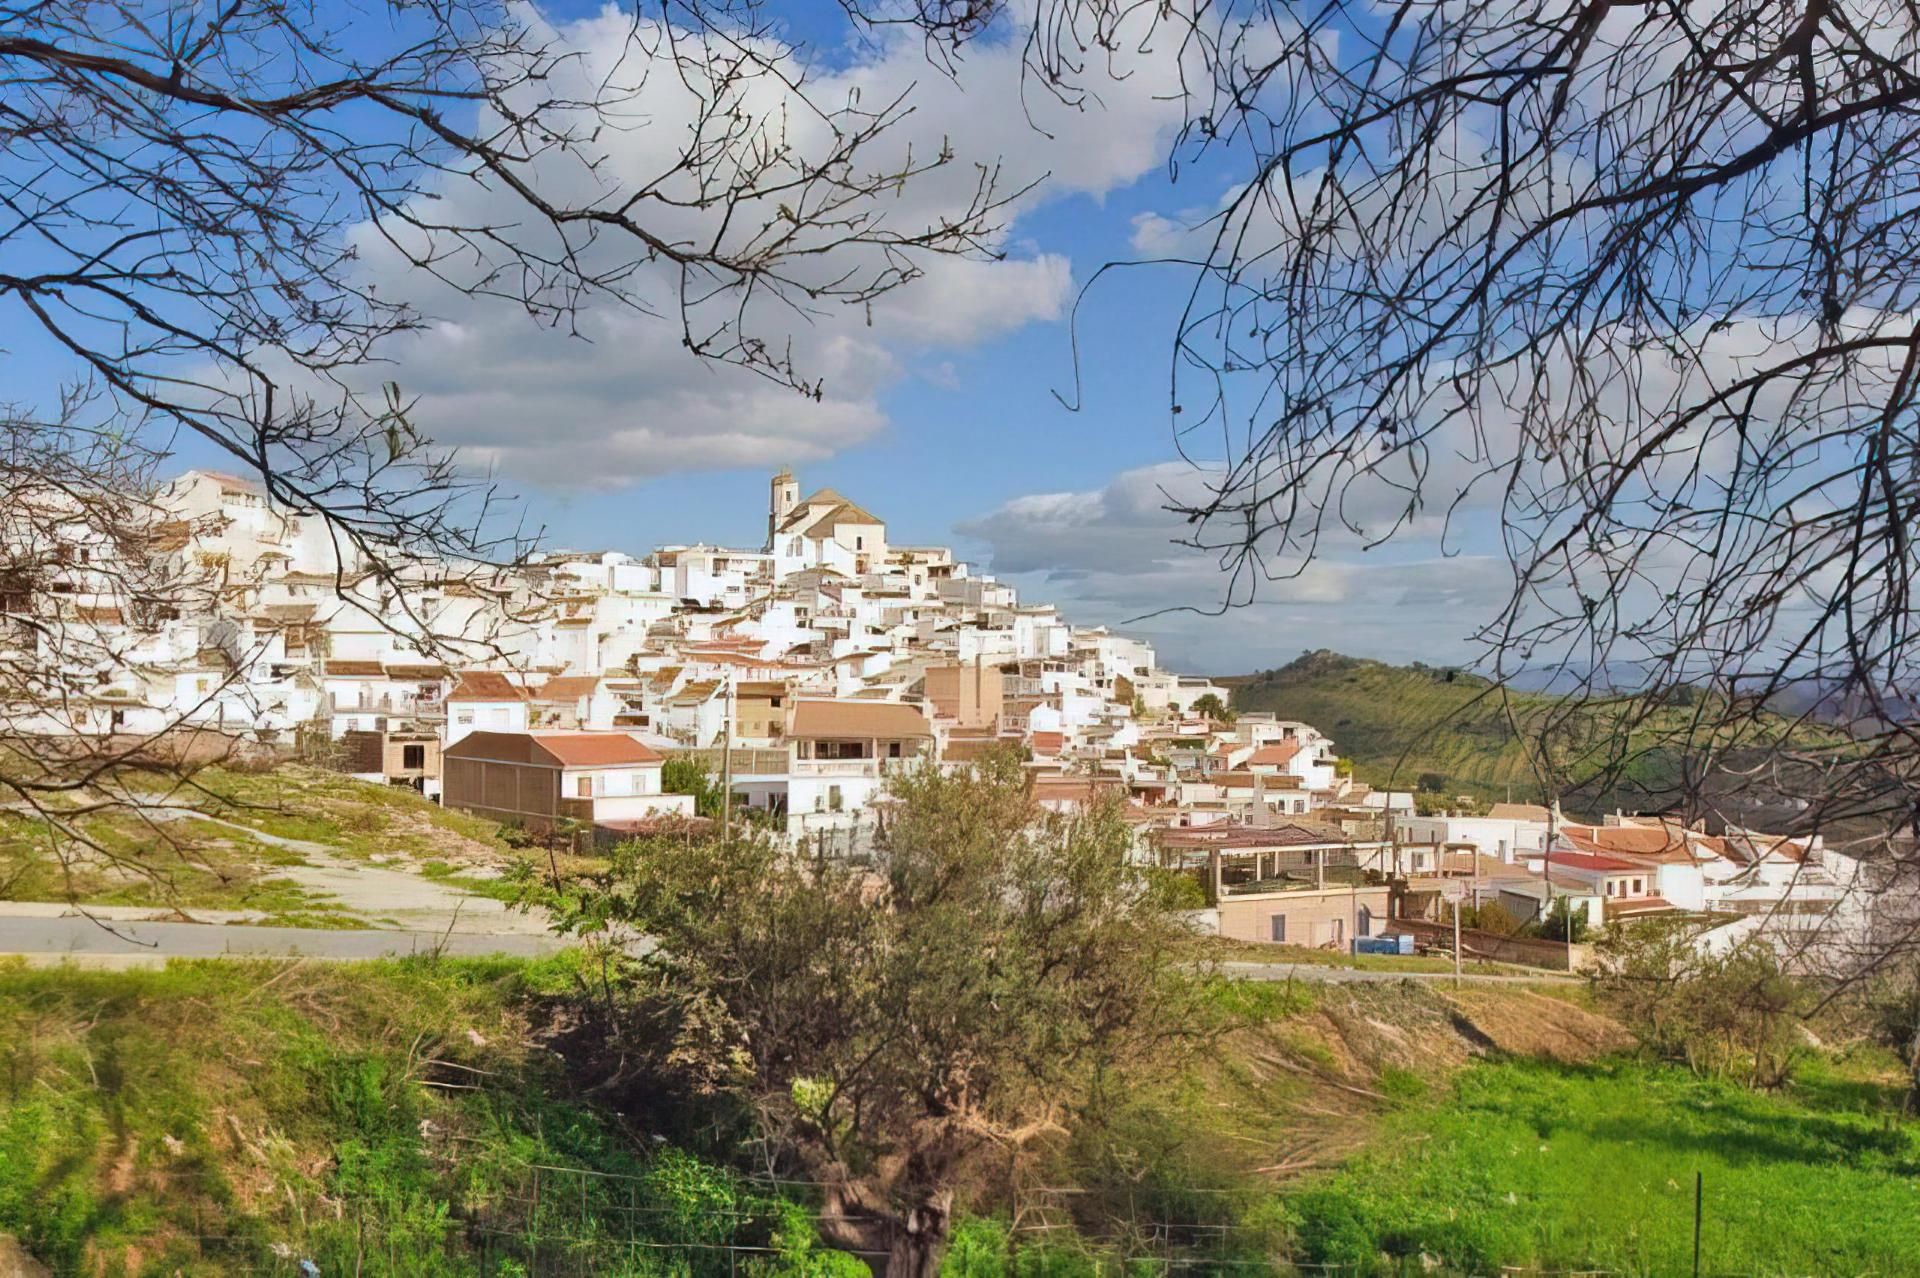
x,y
176,864
221,844
905,1025
380,1119
1593,1168
454,1118
353,818
685,774
1445,733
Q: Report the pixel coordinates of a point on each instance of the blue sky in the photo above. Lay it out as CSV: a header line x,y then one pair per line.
x,y
941,414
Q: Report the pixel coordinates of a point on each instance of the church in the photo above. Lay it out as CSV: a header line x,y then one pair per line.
x,y
822,530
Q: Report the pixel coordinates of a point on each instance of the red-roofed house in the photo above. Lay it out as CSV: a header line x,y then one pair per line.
x,y
1608,876
539,779
485,700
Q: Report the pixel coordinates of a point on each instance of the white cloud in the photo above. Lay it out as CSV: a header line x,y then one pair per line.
x,y
533,401
1109,556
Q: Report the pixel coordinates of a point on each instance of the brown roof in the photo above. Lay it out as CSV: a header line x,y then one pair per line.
x,y
1641,840
813,718
567,688
1518,812
1594,862
759,688
555,749
1293,834
486,685
590,749
354,669
417,670
1276,753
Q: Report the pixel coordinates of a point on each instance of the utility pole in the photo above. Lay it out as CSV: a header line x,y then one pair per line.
x,y
1546,866
726,763
1456,941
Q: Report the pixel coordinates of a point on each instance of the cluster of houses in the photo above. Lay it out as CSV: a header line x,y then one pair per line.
x,y
800,674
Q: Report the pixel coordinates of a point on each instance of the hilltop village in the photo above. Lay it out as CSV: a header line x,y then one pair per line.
x,y
551,696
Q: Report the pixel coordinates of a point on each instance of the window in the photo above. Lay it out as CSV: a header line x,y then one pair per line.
x,y
1638,886
893,749
1277,926
583,787
413,756
833,797
859,543
1363,926
775,702
463,717
1339,931
119,718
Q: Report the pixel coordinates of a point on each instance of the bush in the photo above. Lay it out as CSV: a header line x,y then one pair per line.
x,y
1177,889
1724,1016
1490,917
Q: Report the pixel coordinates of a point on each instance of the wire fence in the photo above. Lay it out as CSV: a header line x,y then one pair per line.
x,y
525,1218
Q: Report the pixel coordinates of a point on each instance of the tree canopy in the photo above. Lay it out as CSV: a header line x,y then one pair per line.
x,y
989,974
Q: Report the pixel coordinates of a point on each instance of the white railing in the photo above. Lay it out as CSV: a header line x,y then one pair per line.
x,y
836,767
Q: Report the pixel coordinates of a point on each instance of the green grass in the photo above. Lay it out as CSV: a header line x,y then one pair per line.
x,y
200,864
382,1119
1532,1164
354,818
181,865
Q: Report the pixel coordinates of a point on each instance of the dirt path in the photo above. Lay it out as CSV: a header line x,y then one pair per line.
x,y
381,895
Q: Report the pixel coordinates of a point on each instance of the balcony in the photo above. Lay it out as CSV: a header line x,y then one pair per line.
x,y
835,767
392,706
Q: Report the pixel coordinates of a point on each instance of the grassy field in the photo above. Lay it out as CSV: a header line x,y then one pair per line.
x,y
420,1118
1593,1168
381,1119
185,865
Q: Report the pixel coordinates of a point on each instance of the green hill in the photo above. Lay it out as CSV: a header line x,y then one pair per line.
x,y
1401,725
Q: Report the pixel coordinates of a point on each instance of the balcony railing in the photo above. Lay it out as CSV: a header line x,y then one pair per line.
x,y
836,767
411,707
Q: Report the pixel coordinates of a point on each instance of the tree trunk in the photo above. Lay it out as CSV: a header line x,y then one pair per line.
x,y
1913,1067
920,1238
907,1244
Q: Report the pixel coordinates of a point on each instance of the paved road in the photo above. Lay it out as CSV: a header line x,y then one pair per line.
x,y
1353,975
124,944
82,940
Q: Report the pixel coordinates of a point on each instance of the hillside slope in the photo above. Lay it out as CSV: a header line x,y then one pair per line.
x,y
1397,723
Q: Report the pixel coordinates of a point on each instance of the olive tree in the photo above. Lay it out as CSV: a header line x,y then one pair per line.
x,y
903,1027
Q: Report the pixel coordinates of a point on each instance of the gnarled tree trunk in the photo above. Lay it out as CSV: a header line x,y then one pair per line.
x,y
894,1244
920,1238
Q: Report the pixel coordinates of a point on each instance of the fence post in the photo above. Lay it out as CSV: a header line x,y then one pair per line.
x,y
1699,1201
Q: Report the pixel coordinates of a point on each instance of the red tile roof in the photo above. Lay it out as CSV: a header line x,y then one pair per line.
x,y
1590,861
595,749
1276,753
567,688
486,685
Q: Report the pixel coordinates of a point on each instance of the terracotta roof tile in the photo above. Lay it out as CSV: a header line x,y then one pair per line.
x,y
486,685
886,719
